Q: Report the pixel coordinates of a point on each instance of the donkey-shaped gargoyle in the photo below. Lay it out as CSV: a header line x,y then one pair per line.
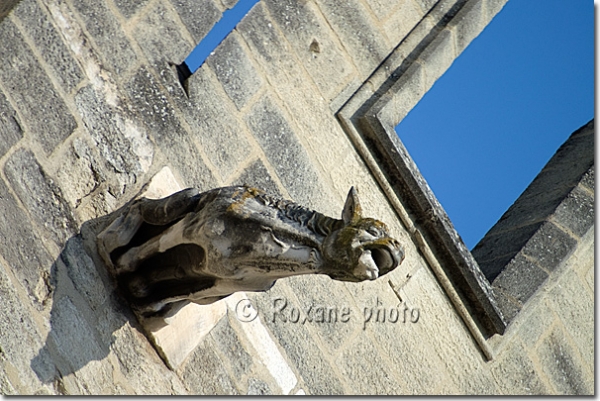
x,y
201,247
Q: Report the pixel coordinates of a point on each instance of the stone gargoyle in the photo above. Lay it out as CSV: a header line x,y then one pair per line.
x,y
201,247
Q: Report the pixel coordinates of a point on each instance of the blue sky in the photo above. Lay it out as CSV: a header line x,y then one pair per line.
x,y
218,32
492,121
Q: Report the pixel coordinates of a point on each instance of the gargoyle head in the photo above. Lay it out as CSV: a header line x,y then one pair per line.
x,y
362,248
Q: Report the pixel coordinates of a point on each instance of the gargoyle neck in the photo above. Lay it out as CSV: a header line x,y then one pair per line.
x,y
316,222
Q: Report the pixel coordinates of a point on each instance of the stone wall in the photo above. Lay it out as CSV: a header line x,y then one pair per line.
x,y
91,109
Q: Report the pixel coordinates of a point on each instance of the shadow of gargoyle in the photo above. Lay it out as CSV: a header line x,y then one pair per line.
x,y
199,247
87,309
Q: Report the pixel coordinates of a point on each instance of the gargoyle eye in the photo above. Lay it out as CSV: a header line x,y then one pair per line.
x,y
373,231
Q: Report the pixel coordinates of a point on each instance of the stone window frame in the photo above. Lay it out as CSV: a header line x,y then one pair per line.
x,y
369,118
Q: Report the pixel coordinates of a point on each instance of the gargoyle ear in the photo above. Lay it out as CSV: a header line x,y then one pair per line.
x,y
352,210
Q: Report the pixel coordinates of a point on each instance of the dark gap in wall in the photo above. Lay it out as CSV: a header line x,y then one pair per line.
x,y
215,36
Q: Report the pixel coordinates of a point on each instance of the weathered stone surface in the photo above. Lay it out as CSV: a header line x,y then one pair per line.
x,y
258,387
437,57
383,8
268,46
468,22
588,179
300,347
398,25
82,272
48,121
277,139
6,387
532,329
160,119
228,343
80,172
549,246
160,37
516,374
129,8
214,124
235,71
493,252
576,212
257,175
314,42
508,304
408,346
521,278
20,247
204,374
562,365
426,5
198,16
18,328
229,3
141,367
356,365
574,307
6,7
408,90
107,34
351,22
41,196
76,343
324,302
121,141
11,130
49,43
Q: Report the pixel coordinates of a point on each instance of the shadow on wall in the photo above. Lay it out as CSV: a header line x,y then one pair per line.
x,y
86,312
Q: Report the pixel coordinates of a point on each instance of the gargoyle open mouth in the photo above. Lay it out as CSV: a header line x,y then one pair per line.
x,y
376,261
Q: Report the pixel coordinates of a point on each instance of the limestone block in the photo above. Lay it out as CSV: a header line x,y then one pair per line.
x,y
235,71
79,172
213,121
129,8
364,376
107,33
48,121
161,122
314,43
563,367
161,37
24,372
20,247
257,175
49,43
204,374
120,140
198,16
397,26
40,195
516,373
351,21
279,142
575,309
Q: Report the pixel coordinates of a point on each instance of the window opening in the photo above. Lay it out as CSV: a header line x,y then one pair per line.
x,y
494,119
215,36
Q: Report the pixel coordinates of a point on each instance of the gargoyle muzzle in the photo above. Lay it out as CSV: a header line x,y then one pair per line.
x,y
386,258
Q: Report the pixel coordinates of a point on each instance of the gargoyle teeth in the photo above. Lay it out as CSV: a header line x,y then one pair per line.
x,y
367,265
